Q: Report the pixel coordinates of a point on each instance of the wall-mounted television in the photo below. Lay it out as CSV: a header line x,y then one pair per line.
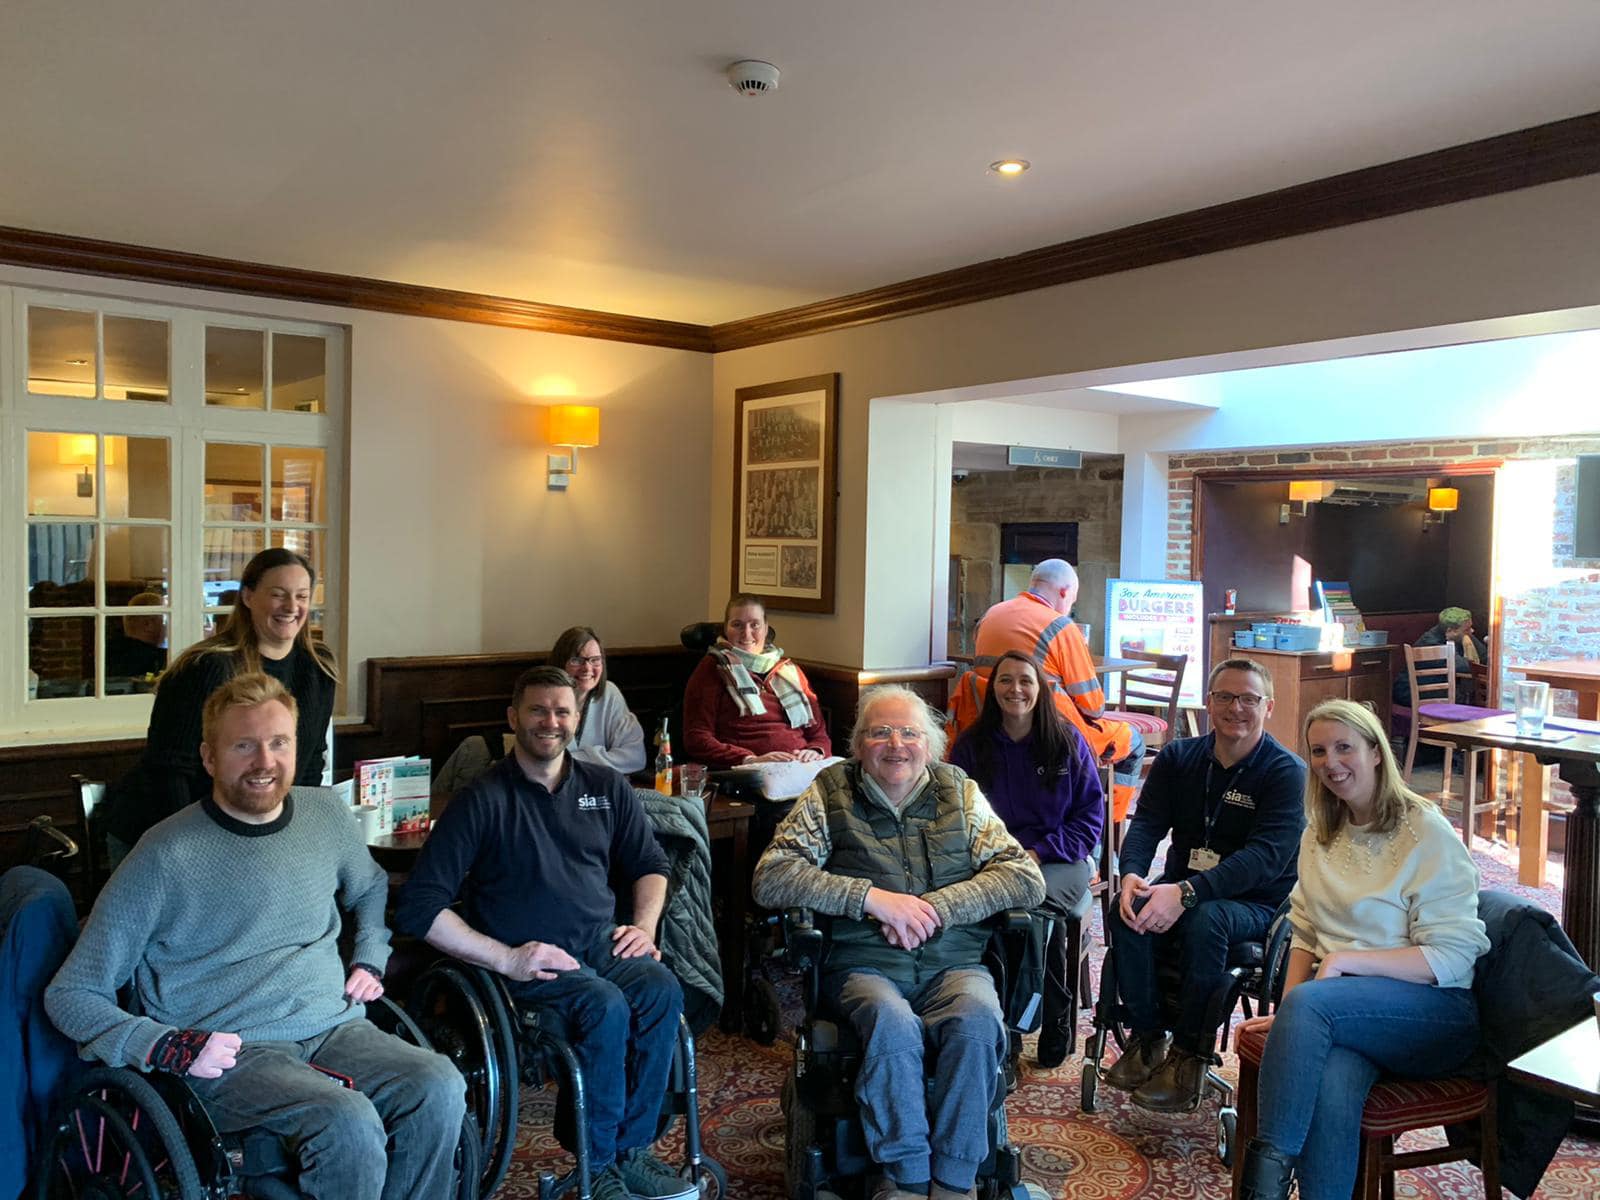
x,y
1586,532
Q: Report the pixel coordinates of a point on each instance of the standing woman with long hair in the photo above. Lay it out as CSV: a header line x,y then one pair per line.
x,y
1041,778
1379,982
266,631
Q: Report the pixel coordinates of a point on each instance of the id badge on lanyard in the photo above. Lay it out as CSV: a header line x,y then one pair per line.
x,y
1203,858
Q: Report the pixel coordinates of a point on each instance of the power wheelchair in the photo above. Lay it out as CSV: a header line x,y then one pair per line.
x,y
120,1135
825,1152
499,1045
1253,979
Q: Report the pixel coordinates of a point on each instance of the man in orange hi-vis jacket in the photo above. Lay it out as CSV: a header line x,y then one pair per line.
x,y
1036,623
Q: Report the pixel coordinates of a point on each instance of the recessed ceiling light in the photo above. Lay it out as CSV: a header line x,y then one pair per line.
x,y
77,362
239,390
1010,166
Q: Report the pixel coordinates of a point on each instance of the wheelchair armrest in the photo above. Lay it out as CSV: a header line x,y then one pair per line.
x,y
1275,961
805,941
1013,920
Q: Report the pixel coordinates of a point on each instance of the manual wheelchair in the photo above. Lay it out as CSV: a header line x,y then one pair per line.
x,y
1253,979
498,1044
825,1152
120,1134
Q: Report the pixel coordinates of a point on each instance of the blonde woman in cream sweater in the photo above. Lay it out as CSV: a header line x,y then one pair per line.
x,y
1379,981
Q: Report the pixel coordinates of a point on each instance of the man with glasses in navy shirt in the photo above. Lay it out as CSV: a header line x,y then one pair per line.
x,y
1233,802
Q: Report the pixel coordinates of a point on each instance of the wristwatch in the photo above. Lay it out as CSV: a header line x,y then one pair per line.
x,y
1186,891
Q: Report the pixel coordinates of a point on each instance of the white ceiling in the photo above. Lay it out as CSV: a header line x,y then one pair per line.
x,y
589,152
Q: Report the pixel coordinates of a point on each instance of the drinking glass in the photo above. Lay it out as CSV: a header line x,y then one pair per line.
x,y
1533,702
692,780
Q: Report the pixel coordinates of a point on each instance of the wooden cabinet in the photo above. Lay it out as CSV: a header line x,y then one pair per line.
x,y
1302,680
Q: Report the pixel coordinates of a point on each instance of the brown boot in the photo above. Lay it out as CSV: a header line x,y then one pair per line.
x,y
884,1187
1176,1086
1142,1059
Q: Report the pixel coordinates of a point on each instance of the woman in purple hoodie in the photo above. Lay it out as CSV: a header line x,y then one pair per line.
x,y
1041,778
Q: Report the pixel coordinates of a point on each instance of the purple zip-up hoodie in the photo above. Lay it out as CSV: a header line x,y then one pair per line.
x,y
1060,820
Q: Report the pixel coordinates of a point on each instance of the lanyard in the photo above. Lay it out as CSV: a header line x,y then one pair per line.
x,y
1228,780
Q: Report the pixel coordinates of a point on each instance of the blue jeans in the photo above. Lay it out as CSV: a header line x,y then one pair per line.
x,y
1329,1043
623,1017
1200,939
955,1017
404,1095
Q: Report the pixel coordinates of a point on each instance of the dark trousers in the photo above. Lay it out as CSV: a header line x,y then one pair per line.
x,y
1064,886
1199,941
623,1017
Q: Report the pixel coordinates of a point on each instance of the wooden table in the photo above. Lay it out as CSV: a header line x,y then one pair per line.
x,y
1567,1065
1577,757
1115,666
728,824
397,852
1581,675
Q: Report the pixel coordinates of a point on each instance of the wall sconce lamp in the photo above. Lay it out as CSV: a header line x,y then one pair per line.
x,y
78,450
574,426
1301,493
1441,500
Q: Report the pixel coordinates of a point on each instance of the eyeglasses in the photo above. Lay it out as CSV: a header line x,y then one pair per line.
x,y
594,660
882,733
1245,699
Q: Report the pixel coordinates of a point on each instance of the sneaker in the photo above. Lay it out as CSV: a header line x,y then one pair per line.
x,y
1142,1059
648,1178
883,1187
608,1185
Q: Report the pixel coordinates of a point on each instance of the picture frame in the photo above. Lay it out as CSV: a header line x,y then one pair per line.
x,y
785,492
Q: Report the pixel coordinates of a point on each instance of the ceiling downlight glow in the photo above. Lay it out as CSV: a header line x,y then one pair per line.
x,y
1010,168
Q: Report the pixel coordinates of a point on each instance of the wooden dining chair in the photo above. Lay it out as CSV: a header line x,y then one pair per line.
x,y
1155,687
1431,671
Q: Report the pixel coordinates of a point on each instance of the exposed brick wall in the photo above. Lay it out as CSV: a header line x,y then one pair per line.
x,y
1551,599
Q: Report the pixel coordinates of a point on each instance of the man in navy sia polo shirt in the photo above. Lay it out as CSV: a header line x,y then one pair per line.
x,y
1233,801
531,848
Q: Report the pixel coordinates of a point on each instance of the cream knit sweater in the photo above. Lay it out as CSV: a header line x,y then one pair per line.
x,y
1371,891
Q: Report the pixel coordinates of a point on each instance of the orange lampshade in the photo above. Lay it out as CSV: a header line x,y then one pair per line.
x,y
1306,489
574,425
1443,499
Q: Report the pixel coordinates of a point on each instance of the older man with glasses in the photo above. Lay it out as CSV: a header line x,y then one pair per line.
x,y
1233,802
906,853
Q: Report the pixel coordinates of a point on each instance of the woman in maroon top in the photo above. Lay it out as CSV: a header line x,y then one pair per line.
x,y
746,702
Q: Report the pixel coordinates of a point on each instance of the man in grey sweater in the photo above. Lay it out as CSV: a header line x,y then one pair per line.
x,y
225,918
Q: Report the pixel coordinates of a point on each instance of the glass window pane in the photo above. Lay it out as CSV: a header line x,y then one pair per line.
x,y
61,352
61,474
61,652
136,645
138,477
234,367
226,553
307,543
138,561
297,485
233,482
299,373
136,359
59,561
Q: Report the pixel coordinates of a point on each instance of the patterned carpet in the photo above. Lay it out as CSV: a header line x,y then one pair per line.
x,y
1119,1153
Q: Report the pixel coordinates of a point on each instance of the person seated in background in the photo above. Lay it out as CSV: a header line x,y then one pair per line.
x,y
1039,774
1038,623
608,733
531,849
747,702
1386,941
1454,628
908,856
225,920
141,651
1231,801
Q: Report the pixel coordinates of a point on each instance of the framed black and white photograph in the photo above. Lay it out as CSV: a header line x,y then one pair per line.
x,y
785,453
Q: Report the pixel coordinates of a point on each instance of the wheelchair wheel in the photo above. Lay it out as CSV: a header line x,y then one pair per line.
x,y
713,1181
1227,1135
497,1003
800,1131
453,1018
115,1137
763,1014
468,1160
1089,1101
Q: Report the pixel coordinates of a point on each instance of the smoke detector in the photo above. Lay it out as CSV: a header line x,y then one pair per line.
x,y
752,77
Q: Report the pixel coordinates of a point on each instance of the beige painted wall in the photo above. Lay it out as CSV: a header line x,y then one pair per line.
x,y
454,545
1526,252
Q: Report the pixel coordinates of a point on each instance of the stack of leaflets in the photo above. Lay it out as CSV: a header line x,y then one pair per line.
x,y
399,789
1339,609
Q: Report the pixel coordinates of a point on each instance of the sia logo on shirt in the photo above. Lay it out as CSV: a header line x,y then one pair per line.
x,y
593,803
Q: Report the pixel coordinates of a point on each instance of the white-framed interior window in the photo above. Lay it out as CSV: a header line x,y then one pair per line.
x,y
146,453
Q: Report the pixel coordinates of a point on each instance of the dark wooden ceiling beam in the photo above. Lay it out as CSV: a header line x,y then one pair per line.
x,y
1559,150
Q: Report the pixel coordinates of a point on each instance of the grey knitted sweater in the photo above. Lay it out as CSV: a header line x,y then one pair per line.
x,y
225,927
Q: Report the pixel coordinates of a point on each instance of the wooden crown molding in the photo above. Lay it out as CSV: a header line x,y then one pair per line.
x,y
60,252
1559,150
1543,154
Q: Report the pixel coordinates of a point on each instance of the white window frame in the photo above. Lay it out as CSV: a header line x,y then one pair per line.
x,y
188,423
